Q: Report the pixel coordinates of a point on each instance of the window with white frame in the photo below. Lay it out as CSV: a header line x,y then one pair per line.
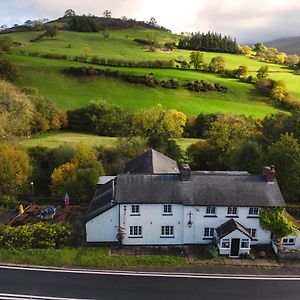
x,y
209,232
245,244
135,231
167,209
225,243
252,232
253,211
167,231
232,210
288,241
135,209
210,210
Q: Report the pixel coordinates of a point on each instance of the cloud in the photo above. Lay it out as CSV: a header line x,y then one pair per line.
x,y
250,20
13,10
247,20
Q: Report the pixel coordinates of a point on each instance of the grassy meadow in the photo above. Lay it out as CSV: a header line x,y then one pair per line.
x,y
56,139
70,92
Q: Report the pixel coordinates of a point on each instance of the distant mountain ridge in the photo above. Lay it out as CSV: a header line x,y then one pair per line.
x,y
289,45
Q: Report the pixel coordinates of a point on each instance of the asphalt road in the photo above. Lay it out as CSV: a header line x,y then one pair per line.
x,y
72,285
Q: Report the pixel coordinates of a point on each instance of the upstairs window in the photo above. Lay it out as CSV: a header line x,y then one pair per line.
x,y
167,209
135,209
232,210
253,211
210,210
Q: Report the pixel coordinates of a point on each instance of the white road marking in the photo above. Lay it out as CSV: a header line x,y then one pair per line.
x,y
155,274
32,297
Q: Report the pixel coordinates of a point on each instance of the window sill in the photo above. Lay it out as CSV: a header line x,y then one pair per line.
x,y
167,236
208,238
252,217
167,214
136,237
210,216
135,215
232,216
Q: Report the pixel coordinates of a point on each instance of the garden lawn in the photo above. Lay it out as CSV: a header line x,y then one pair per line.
x,y
69,92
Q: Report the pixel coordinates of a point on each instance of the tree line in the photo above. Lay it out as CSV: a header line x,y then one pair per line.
x,y
210,41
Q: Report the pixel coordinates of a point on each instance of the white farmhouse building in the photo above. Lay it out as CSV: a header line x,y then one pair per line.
x,y
156,204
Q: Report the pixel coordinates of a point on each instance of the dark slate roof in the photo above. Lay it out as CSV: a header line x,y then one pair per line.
x,y
230,226
152,162
101,201
203,188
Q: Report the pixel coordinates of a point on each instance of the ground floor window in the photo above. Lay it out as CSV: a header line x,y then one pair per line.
x,y
225,243
135,231
245,244
252,232
167,230
209,232
288,241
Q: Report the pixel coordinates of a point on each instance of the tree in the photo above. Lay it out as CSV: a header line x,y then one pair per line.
x,y
107,14
79,176
159,126
15,110
279,91
262,72
285,155
105,34
14,170
51,31
6,43
246,50
241,72
8,70
86,53
217,64
228,133
69,13
196,59
38,25
275,220
259,47
153,22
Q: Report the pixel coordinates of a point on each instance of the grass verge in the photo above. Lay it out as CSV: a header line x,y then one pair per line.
x,y
87,258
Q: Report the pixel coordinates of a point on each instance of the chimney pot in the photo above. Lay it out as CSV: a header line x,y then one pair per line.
x,y
185,172
270,173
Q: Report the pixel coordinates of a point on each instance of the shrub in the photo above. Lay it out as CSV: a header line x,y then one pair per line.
x,y
39,235
211,252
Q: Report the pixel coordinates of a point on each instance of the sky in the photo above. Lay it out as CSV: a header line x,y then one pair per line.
x,y
248,20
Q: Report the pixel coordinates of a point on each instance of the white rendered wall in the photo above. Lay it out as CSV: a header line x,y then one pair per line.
x,y
195,234
103,228
297,242
151,219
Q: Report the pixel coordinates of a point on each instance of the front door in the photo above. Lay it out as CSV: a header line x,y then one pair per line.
x,y
235,247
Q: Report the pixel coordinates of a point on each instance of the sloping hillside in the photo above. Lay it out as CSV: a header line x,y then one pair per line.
x,y
288,45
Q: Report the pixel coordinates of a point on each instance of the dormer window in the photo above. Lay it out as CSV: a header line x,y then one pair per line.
x,y
167,209
135,209
232,210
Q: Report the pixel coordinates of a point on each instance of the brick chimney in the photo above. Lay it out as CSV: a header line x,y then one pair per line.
x,y
270,173
185,172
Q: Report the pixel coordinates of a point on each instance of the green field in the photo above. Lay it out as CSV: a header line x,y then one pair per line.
x,y
55,139
69,92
